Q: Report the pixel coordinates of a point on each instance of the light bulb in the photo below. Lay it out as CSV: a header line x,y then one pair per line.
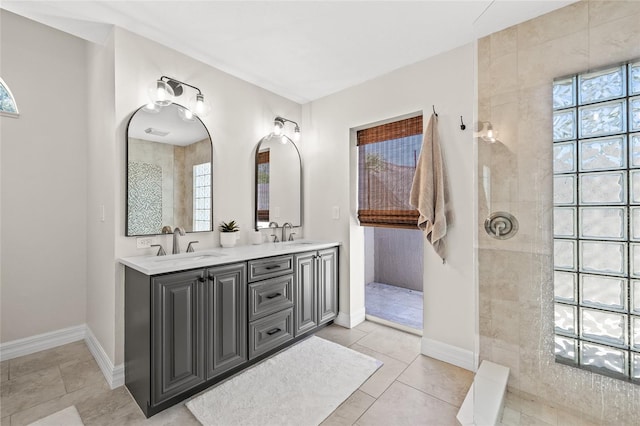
x,y
151,108
199,106
277,127
186,114
296,134
283,139
490,133
161,93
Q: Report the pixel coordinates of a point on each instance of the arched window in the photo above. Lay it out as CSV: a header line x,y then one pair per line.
x,y
8,104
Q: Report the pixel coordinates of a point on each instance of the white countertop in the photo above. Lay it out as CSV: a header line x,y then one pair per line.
x,y
152,265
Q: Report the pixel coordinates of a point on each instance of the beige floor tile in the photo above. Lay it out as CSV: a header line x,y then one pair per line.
x,y
384,376
439,379
126,415
99,407
39,411
4,371
528,420
176,415
542,412
30,390
51,357
77,375
350,410
370,326
510,417
5,421
342,336
403,405
396,344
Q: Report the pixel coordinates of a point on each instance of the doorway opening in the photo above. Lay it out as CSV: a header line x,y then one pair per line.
x,y
394,271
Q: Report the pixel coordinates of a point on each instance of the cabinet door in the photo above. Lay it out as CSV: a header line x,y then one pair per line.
x,y
305,308
178,333
227,318
327,285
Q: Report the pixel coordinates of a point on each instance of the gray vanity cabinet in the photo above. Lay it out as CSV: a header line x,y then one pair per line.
x,y
316,289
178,362
227,318
187,330
327,276
270,304
305,293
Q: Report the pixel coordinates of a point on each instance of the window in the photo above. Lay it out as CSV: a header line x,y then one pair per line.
x,y
202,197
8,104
596,220
387,158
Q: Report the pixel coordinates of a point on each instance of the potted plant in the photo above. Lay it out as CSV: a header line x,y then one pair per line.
x,y
228,234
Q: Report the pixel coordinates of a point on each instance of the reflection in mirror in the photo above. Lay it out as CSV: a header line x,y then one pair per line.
x,y
278,188
169,157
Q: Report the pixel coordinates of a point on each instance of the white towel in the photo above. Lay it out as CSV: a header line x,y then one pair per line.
x,y
428,192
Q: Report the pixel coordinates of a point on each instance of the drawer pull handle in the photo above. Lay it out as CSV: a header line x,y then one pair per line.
x,y
268,268
272,332
271,296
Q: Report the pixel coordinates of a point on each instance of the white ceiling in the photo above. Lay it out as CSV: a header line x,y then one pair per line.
x,y
302,50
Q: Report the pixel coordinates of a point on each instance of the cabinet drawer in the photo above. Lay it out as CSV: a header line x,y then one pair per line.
x,y
270,332
269,296
270,267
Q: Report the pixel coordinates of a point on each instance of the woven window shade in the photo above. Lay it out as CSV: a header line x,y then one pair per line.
x,y
387,158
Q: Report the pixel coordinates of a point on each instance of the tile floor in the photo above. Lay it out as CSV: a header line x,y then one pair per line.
x,y
409,389
395,304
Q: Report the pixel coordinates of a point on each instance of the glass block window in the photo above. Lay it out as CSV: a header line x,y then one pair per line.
x,y
8,104
596,220
202,197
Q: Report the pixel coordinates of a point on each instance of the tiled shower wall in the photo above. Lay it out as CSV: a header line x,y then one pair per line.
x,y
516,68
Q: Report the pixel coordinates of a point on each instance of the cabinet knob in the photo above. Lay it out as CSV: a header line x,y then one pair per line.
x,y
271,296
202,279
274,331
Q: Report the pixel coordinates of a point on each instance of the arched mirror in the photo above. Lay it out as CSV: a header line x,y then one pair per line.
x,y
169,159
278,189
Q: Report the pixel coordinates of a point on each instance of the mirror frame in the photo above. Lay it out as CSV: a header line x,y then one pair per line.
x,y
126,195
255,185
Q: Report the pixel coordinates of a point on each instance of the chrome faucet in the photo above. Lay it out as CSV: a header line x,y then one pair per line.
x,y
274,225
284,231
176,232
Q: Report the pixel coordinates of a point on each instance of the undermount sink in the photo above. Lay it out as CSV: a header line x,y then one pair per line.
x,y
187,257
297,243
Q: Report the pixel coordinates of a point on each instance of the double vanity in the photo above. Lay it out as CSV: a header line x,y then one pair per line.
x,y
194,319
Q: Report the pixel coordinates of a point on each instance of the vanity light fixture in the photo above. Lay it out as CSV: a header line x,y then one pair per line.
x,y
163,91
278,128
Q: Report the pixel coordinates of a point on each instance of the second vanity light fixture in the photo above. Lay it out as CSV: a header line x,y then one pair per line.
x,y
278,128
163,91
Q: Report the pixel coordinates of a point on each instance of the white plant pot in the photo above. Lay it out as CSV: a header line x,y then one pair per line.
x,y
228,239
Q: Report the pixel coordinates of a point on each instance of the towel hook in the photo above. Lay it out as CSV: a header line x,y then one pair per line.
x,y
434,110
462,125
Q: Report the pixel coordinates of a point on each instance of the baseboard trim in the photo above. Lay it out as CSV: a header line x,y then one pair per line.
x,y
350,320
114,375
450,354
41,342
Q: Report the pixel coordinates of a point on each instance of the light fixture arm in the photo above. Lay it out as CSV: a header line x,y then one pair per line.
x,y
174,83
286,120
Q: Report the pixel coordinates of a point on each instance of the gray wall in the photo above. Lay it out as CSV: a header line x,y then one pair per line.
x,y
398,257
43,173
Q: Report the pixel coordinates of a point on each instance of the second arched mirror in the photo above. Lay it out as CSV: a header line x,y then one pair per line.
x,y
278,188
